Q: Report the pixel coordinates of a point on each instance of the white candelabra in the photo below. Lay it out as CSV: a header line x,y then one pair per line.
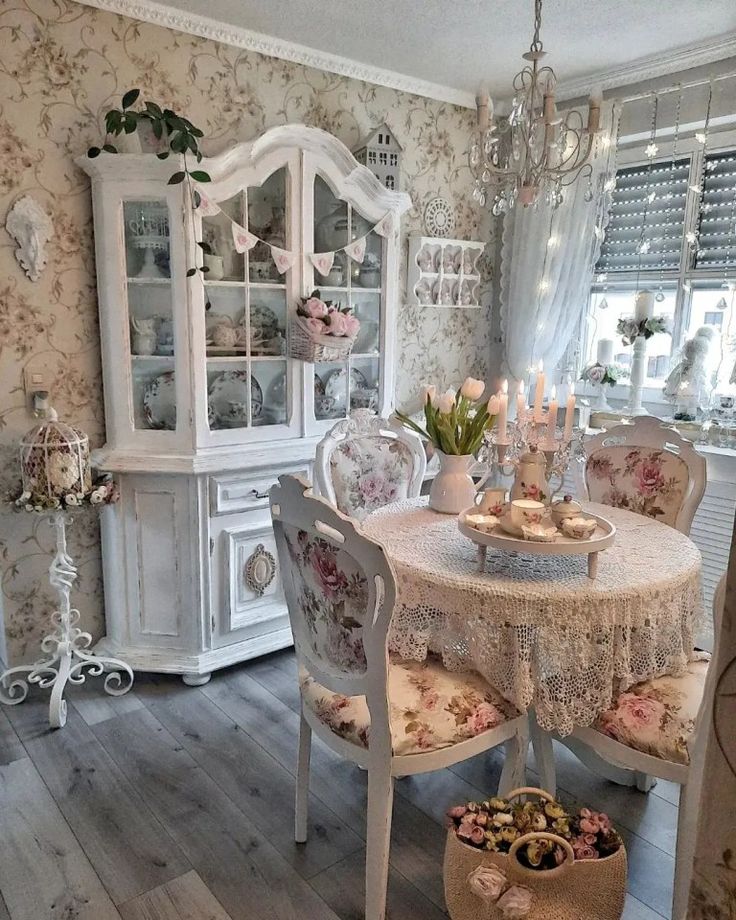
x,y
643,310
65,647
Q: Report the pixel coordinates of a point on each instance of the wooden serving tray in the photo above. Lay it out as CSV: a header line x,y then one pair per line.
x,y
603,537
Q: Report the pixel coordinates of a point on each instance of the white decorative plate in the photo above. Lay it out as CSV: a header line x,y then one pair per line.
x,y
439,218
159,402
228,397
335,386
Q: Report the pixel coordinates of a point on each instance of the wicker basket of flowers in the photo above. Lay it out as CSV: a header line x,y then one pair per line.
x,y
322,331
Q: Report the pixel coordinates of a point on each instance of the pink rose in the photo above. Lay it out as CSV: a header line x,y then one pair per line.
x,y
637,712
515,903
324,564
336,323
484,716
596,373
649,478
316,326
430,698
315,307
457,812
477,835
371,486
352,324
465,831
487,882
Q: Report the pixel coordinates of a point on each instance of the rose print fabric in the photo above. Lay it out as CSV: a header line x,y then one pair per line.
x,y
429,707
332,592
650,482
370,472
658,716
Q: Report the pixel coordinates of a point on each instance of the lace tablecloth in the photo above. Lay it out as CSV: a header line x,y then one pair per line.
x,y
537,627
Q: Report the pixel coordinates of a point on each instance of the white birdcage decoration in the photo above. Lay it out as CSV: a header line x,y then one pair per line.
x,y
54,459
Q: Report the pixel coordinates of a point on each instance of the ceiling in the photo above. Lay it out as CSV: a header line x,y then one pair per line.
x,y
452,46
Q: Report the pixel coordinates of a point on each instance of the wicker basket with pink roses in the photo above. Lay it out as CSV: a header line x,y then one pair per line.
x,y
322,331
535,859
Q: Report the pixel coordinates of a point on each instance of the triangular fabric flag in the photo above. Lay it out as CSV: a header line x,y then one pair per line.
x,y
356,250
206,206
282,258
385,226
322,261
242,239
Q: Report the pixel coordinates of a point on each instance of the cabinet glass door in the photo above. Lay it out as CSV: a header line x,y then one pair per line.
x,y
247,377
152,339
355,382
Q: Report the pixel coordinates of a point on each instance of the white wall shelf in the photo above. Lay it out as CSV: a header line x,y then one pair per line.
x,y
443,272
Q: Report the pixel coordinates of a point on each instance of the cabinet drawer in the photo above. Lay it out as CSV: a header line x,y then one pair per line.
x,y
246,491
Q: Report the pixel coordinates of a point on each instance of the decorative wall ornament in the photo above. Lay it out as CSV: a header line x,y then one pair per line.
x,y
31,228
381,153
439,218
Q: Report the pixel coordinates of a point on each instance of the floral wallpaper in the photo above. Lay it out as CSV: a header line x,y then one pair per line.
x,y
62,66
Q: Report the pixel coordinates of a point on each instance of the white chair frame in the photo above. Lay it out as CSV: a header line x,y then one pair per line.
x,y
601,752
293,503
364,423
648,431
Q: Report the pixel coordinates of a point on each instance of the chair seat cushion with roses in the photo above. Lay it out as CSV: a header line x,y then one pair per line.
x,y
369,472
657,716
646,480
430,707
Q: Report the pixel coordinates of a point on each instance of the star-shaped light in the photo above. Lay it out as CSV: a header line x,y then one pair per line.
x,y
645,247
692,237
651,196
700,137
651,150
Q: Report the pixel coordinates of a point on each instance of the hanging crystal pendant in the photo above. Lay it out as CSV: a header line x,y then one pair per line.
x,y
722,305
486,176
603,305
588,196
475,155
659,296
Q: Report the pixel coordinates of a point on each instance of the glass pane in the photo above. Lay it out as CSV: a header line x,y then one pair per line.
x,y
147,247
331,224
225,264
369,272
607,307
330,390
364,381
269,386
225,320
367,308
267,220
234,397
714,307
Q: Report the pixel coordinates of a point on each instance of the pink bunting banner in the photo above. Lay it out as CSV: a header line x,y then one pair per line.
x,y
206,207
385,226
242,239
356,250
322,261
283,259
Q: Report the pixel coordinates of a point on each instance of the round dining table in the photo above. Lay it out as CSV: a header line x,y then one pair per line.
x,y
537,627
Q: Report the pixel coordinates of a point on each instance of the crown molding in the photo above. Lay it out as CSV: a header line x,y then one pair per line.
x,y
651,68
205,27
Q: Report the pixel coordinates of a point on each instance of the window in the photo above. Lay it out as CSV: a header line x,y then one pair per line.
x,y
658,239
380,138
390,182
371,156
393,159
382,158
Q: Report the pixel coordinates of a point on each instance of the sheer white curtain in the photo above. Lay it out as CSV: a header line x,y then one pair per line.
x,y
547,259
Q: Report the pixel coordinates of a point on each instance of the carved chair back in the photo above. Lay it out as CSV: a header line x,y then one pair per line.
x,y
649,468
340,592
365,462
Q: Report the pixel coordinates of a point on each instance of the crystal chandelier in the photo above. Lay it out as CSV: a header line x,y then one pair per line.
x,y
534,150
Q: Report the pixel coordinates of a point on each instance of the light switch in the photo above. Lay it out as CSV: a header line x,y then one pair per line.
x,y
37,385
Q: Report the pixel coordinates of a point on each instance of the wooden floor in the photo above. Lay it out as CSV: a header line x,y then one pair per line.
x,y
176,803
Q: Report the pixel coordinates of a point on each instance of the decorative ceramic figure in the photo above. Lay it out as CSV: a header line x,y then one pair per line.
x,y
31,228
145,336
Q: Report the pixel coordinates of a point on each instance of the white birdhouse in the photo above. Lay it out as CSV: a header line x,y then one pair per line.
x,y
381,153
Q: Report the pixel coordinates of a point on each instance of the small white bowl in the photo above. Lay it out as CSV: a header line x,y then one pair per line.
x,y
579,528
539,533
483,522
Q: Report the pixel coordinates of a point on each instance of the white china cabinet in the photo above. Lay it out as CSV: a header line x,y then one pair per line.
x,y
201,420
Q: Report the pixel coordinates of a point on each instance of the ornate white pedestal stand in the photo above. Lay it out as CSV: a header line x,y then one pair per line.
x,y
638,364
65,647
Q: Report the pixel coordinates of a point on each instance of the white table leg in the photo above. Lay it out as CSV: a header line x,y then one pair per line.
x,y
592,565
482,558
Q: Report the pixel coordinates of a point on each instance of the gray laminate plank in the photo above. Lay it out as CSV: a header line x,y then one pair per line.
x,y
94,705
44,875
343,887
183,898
278,673
127,846
635,910
4,915
10,746
238,864
258,784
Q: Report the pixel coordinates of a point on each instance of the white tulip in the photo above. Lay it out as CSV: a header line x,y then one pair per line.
x,y
472,389
493,405
429,393
446,402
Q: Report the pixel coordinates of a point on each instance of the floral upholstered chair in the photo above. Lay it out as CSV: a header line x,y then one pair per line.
x,y
392,717
364,463
646,467
656,728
